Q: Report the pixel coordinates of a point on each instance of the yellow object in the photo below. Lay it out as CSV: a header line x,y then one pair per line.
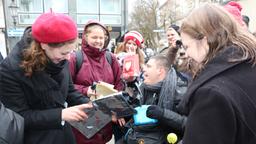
x,y
103,89
172,138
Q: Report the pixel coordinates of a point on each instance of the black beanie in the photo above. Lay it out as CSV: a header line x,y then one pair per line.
x,y
175,27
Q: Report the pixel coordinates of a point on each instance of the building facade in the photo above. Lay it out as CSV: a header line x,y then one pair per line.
x,y
21,13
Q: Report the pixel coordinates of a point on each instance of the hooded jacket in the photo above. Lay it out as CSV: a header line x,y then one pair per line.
x,y
94,68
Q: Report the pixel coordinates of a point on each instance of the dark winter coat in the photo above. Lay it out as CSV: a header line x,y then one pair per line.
x,y
95,67
1,57
39,99
220,103
12,126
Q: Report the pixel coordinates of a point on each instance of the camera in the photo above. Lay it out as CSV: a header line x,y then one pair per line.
x,y
181,49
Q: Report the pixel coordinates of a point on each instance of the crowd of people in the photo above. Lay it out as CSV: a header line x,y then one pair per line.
x,y
200,87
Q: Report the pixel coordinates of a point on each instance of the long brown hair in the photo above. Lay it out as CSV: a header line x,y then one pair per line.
x,y
34,59
121,48
221,30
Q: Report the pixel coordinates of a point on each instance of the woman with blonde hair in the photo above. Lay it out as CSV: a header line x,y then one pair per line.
x,y
220,103
97,64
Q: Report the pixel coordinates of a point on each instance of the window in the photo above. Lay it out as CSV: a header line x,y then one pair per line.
x,y
58,6
30,6
27,18
110,6
106,11
87,6
30,9
82,19
110,19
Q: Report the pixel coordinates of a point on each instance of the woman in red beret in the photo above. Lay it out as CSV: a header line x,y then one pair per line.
x,y
97,65
35,81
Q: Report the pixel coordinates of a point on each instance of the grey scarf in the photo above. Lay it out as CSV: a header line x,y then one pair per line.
x,y
167,89
167,93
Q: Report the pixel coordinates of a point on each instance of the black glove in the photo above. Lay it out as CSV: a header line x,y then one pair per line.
x,y
155,112
174,121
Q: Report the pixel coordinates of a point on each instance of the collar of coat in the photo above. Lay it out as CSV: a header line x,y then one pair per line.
x,y
219,64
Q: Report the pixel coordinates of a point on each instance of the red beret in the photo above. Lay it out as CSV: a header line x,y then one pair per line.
x,y
134,36
54,28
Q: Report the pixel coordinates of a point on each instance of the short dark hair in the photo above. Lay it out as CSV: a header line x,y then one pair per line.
x,y
162,61
175,27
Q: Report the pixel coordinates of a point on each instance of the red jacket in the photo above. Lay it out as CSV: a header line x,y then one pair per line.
x,y
95,67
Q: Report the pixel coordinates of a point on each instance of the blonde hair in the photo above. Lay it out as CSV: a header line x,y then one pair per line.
x,y
95,26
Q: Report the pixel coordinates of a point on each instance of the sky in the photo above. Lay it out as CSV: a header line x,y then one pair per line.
x,y
130,5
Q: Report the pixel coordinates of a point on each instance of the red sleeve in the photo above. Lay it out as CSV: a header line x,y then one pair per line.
x,y
72,68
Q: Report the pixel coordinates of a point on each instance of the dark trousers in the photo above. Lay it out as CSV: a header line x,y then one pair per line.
x,y
119,133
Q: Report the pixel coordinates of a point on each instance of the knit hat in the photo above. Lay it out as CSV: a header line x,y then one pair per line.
x,y
54,28
234,9
175,27
134,36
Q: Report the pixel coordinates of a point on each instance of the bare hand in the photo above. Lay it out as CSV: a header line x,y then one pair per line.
x,y
91,92
120,121
75,113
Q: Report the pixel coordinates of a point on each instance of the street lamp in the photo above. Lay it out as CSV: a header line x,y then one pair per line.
x,y
14,12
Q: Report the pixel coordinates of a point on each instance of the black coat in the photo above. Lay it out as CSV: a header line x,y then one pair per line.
x,y
12,126
221,103
39,99
1,57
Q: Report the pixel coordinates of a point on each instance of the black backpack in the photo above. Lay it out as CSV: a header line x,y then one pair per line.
x,y
80,57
